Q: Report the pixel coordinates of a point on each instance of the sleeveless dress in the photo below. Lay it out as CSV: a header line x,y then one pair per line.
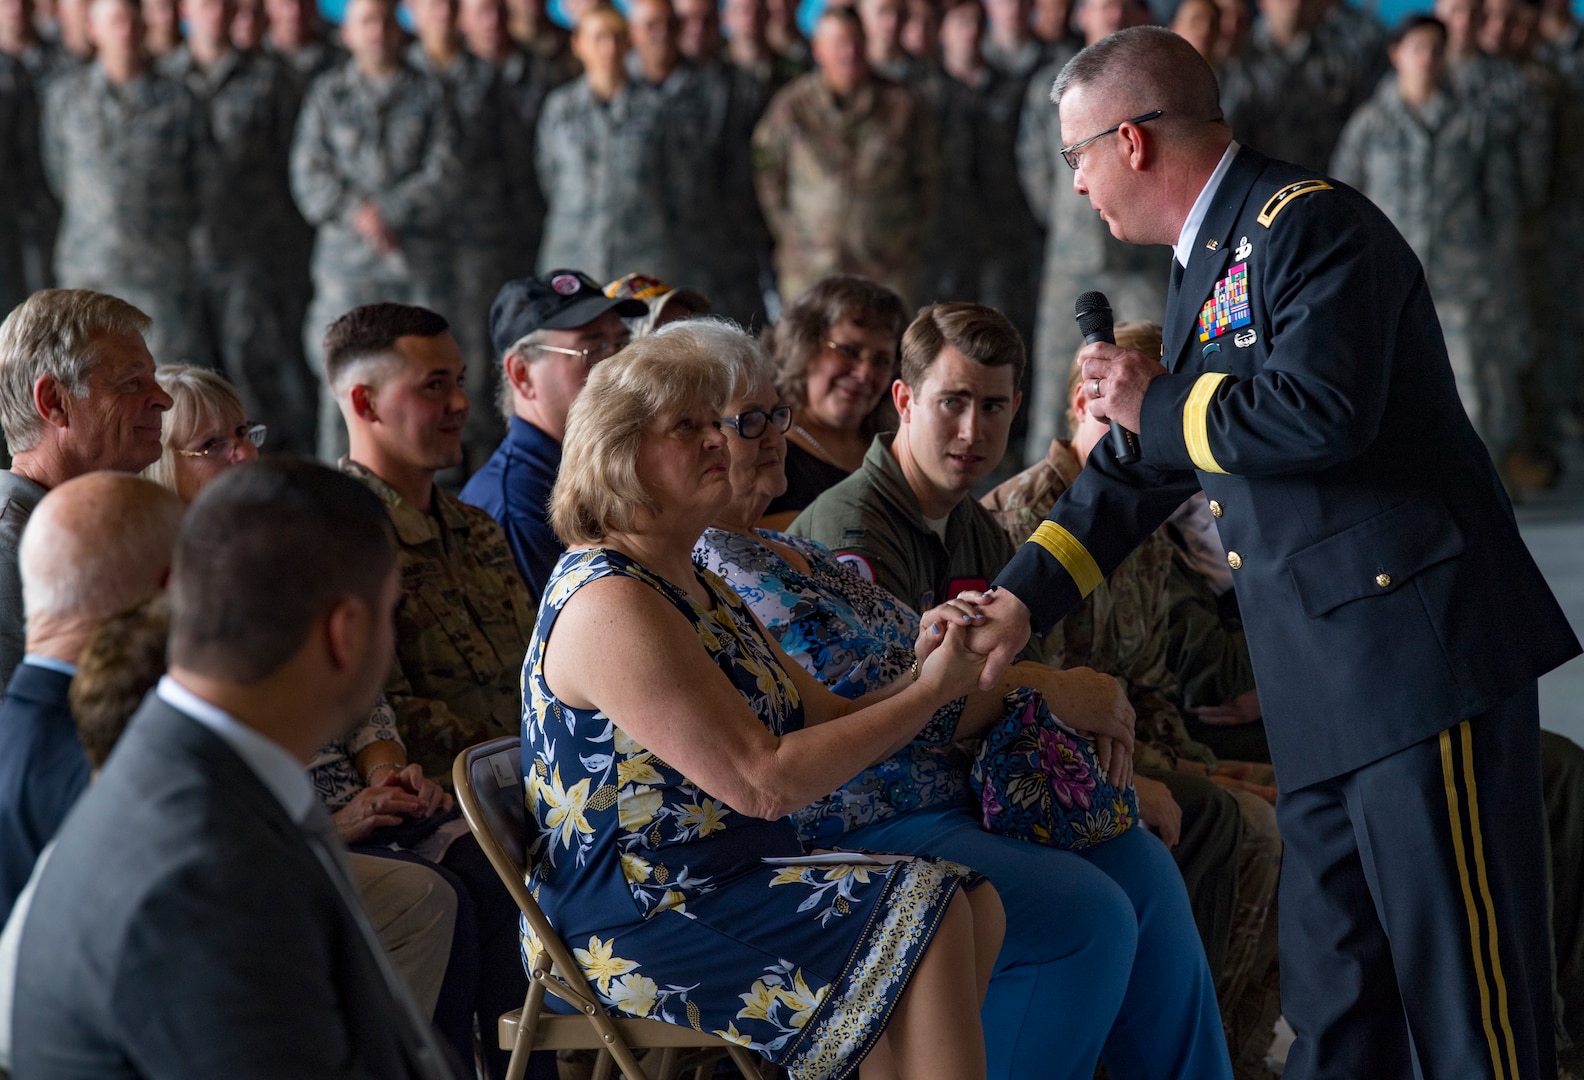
x,y
661,891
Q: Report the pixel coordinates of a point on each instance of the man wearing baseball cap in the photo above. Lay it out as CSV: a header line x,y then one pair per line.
x,y
548,331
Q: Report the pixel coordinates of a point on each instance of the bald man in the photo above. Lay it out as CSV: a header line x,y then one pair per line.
x,y
1396,622
96,546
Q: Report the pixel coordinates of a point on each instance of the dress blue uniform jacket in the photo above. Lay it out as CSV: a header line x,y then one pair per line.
x,y
1381,577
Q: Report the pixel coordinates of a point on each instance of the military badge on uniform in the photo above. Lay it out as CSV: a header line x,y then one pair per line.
x,y
1244,250
1228,307
1244,338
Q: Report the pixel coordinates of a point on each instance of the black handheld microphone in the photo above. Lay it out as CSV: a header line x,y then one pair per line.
x,y
1096,323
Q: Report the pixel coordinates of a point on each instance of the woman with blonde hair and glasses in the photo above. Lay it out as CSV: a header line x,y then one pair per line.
x,y
205,431
666,739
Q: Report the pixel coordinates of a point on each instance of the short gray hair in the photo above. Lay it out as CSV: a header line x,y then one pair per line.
x,y
504,401
1143,68
731,345
96,546
53,333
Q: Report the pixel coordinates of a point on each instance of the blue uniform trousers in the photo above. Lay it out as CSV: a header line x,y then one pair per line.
x,y
1101,957
1414,913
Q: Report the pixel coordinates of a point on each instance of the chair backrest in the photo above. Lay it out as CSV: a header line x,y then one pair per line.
x,y
489,787
488,782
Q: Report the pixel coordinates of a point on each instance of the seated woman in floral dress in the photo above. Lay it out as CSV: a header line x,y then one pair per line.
x,y
1101,957
666,739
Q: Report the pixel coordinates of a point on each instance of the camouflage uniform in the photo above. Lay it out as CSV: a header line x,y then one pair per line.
x,y
616,177
956,246
45,61
128,165
1080,255
1121,629
847,187
724,241
21,177
525,81
1566,58
309,62
243,252
1014,238
1291,102
394,145
462,628
495,152
1455,196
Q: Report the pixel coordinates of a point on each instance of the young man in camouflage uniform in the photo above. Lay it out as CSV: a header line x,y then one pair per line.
x,y
374,169
847,167
126,150
245,274
463,622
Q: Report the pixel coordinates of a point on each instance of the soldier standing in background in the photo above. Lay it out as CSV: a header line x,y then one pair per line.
x,y
1014,236
247,322
610,165
374,170
748,46
531,27
21,177
162,28
1423,157
1291,90
126,150
525,80
44,59
847,167
957,246
478,229
248,23
729,233
297,35
1080,252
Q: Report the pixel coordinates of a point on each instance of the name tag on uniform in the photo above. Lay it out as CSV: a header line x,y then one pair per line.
x,y
1228,307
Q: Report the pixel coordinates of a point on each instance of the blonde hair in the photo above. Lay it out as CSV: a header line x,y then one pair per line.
x,y
197,394
1144,337
598,491
53,333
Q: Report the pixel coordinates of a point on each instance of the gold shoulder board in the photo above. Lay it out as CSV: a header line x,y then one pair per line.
x,y
1278,202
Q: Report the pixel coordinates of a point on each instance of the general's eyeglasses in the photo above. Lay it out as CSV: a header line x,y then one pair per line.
x,y
227,445
591,355
751,424
1070,153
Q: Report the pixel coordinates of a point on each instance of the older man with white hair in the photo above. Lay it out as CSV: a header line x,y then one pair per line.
x,y
77,395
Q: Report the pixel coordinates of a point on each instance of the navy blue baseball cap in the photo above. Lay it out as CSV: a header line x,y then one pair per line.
x,y
560,300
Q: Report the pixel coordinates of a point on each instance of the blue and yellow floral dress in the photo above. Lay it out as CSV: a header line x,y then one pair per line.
x,y
662,892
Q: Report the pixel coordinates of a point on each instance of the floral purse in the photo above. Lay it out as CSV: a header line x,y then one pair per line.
x,y
1040,780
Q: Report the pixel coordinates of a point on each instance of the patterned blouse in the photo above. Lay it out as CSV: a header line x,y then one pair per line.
x,y
854,637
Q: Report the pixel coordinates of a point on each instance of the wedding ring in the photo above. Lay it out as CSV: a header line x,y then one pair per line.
x,y
1094,388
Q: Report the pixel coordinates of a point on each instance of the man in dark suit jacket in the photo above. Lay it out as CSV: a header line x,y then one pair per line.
x,y
1396,622
195,918
74,577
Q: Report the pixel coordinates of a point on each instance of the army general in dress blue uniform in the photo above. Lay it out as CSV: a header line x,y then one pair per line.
x,y
1397,623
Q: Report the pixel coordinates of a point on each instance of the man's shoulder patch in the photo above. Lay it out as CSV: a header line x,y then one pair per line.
x,y
1284,198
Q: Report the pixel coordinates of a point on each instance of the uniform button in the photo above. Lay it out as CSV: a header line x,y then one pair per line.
x,y
1383,579
1234,560
1215,508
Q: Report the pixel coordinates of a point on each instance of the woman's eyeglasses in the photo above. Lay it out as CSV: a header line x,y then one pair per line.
x,y
751,424
228,445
